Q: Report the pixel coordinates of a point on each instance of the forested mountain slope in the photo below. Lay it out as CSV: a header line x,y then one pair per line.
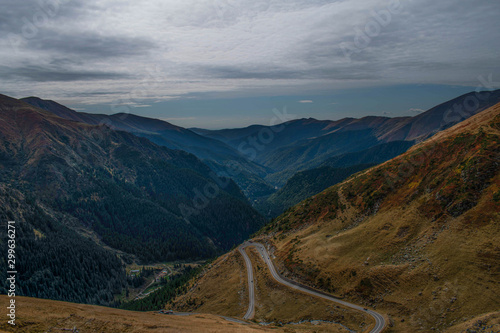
x,y
139,197
305,184
222,158
303,144
60,178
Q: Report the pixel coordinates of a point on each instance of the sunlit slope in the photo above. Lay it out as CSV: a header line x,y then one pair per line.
x,y
416,237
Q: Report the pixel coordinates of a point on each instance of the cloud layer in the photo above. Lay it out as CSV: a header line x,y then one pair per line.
x,y
99,51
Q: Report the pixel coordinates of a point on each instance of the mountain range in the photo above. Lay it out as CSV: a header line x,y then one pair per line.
x,y
261,159
415,238
222,158
303,144
112,192
385,212
124,184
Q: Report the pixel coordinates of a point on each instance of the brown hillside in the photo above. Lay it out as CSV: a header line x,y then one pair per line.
x,y
416,237
38,315
207,296
223,290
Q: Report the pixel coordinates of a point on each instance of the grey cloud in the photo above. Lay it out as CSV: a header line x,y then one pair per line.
x,y
47,74
235,45
276,73
94,93
18,14
237,72
421,65
90,44
49,26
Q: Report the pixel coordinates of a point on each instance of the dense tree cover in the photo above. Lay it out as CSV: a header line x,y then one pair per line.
x,y
150,224
61,179
55,262
137,207
375,155
143,199
304,185
172,286
252,184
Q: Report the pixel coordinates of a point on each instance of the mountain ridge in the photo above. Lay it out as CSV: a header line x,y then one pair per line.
x,y
222,158
292,147
103,188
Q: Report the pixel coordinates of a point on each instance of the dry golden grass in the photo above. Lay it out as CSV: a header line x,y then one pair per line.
x,y
37,315
399,249
280,304
427,274
222,290
411,259
487,323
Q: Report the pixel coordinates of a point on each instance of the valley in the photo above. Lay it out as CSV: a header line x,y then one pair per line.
x,y
263,168
365,241
411,244
102,198
293,166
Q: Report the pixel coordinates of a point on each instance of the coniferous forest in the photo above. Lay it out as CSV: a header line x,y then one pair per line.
x,y
87,200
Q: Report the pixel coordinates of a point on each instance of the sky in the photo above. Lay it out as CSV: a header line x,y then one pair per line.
x,y
230,63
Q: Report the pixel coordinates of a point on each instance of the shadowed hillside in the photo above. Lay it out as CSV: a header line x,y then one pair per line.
x,y
62,180
304,144
220,157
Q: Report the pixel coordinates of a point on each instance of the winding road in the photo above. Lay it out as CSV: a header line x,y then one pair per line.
x,y
251,290
379,319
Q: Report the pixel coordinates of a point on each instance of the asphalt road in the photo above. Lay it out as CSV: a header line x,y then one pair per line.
x,y
251,290
379,319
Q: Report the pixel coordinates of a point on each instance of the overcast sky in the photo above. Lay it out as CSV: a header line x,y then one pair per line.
x,y
222,63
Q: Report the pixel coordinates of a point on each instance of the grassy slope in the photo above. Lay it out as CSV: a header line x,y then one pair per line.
x,y
416,237
207,296
223,290
37,315
278,303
